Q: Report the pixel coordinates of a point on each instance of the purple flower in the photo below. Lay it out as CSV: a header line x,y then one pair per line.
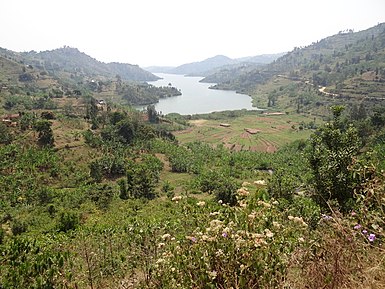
x,y
224,234
364,232
353,213
357,227
371,237
193,239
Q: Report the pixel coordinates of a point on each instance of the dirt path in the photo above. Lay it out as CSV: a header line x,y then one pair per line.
x,y
322,90
165,161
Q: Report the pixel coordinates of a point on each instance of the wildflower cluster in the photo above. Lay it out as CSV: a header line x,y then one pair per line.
x,y
246,244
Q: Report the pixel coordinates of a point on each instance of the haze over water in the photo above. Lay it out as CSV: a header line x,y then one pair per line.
x,y
197,97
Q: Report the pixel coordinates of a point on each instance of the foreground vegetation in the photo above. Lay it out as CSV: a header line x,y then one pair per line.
x,y
123,205
95,195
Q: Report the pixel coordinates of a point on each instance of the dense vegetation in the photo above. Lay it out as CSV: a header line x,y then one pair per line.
x,y
97,195
124,205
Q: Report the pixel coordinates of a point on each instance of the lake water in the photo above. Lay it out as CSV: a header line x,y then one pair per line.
x,y
197,97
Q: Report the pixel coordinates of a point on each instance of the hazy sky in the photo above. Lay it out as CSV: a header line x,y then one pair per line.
x,y
174,32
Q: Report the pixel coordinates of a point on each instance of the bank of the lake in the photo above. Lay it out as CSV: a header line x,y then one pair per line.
x,y
197,97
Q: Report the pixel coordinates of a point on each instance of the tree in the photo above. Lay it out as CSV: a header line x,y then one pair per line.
x,y
332,151
45,138
152,114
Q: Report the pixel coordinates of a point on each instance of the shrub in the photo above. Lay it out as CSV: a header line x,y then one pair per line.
x,y
68,220
18,227
332,152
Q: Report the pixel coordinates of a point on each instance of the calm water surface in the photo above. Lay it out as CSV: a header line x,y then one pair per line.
x,y
197,97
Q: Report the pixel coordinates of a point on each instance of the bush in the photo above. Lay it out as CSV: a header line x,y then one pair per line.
x,y
332,152
68,220
101,195
18,227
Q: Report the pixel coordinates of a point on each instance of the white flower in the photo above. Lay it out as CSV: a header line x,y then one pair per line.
x,y
201,203
159,261
243,192
214,213
176,198
260,182
276,224
212,274
262,203
166,236
252,215
269,233
219,253
301,240
242,204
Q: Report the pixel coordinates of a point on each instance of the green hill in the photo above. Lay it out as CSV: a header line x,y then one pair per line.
x,y
67,72
351,65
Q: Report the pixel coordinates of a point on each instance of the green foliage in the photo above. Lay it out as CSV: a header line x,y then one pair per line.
x,y
332,152
96,171
91,139
25,172
5,134
101,195
67,220
123,189
226,191
138,94
26,103
18,227
168,189
107,166
2,235
152,114
26,263
45,138
226,247
142,178
48,115
27,120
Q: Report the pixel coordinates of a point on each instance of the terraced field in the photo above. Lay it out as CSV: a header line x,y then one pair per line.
x,y
257,132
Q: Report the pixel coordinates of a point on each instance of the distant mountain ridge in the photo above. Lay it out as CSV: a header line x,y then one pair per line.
x,y
213,64
199,68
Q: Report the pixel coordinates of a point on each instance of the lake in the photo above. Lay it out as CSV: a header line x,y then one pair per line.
x,y
197,97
